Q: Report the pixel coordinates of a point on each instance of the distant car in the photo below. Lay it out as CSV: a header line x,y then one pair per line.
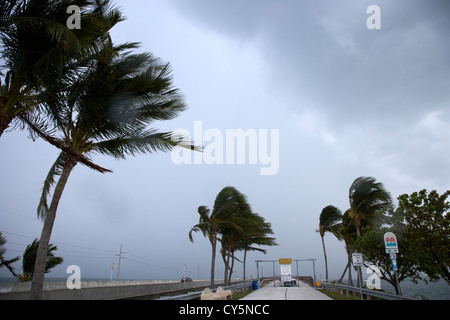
x,y
186,279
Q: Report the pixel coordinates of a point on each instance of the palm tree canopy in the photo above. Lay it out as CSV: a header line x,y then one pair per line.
x,y
38,50
107,109
29,258
329,217
367,197
37,43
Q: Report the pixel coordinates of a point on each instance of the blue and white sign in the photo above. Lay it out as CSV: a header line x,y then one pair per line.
x,y
394,265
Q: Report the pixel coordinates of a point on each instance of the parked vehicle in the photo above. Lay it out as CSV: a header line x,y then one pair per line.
x,y
186,279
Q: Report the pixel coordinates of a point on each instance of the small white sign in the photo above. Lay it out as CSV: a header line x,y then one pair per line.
x,y
357,259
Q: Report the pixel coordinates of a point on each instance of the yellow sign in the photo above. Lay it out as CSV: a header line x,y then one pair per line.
x,y
285,261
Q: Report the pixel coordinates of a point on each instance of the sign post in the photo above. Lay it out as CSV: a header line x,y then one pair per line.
x,y
358,262
391,246
285,268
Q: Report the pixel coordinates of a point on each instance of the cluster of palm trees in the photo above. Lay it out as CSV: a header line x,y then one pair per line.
x,y
80,92
235,226
368,201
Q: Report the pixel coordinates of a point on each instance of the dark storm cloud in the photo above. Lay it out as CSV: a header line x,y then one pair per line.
x,y
323,52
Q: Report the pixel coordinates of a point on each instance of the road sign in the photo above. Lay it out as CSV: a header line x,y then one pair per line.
x,y
392,256
285,261
357,259
390,242
394,265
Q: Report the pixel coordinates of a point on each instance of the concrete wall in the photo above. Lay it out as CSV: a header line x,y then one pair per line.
x,y
103,290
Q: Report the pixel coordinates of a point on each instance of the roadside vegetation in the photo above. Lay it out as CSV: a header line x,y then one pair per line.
x,y
421,223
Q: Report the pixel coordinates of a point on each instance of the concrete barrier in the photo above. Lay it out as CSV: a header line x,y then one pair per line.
x,y
103,290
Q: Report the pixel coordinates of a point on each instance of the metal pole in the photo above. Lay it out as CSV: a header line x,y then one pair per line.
x,y
120,258
273,264
360,282
298,276
398,286
257,271
314,270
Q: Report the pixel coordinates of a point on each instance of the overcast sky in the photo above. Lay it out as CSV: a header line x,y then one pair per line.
x,y
346,100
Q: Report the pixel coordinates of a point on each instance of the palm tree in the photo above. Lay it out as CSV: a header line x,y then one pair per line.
x,y
257,234
328,220
345,231
232,206
37,47
367,198
210,226
106,109
29,258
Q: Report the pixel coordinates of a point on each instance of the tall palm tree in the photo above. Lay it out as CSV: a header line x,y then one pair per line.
x,y
328,220
210,226
367,198
36,47
106,109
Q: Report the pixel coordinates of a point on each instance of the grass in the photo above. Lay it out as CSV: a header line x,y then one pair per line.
x,y
241,294
337,296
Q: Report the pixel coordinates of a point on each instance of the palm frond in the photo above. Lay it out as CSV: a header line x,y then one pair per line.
x,y
49,182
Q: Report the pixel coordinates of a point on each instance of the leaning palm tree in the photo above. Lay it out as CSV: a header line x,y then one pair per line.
x,y
345,231
221,219
328,220
232,207
255,236
105,110
37,47
366,198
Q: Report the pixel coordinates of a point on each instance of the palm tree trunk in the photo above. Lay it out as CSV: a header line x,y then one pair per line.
x,y
39,268
213,259
350,280
245,259
325,255
343,273
226,260
231,269
5,118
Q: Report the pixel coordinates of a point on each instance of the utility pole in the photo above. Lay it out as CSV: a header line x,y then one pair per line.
x,y
112,269
120,258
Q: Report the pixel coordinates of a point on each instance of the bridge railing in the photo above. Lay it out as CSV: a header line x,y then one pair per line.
x,y
343,289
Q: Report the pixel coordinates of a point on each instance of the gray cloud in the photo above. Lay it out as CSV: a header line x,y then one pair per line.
x,y
348,102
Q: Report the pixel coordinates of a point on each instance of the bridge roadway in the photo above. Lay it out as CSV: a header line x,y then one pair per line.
x,y
303,292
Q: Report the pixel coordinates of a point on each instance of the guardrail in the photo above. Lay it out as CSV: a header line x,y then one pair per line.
x,y
341,288
196,295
